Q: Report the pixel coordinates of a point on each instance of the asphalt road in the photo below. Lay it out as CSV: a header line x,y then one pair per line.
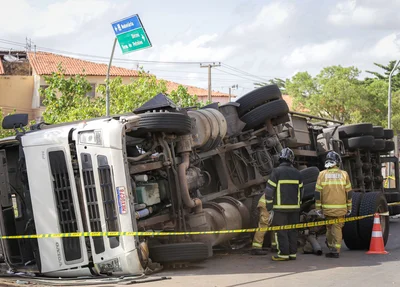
x,y
353,268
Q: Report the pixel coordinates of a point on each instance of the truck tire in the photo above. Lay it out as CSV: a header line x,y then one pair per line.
x,y
371,203
393,197
179,252
176,123
259,115
355,130
377,132
309,191
389,146
388,134
309,174
379,144
351,236
362,142
258,97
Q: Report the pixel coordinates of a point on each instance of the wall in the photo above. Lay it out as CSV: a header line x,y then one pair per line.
x,y
16,93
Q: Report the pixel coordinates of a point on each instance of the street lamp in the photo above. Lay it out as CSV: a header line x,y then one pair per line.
x,y
390,96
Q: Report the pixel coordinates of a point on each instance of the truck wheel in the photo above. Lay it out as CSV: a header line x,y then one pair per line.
x,y
363,142
309,174
176,123
355,130
393,197
379,144
258,97
371,203
351,236
179,252
389,146
377,132
259,115
388,134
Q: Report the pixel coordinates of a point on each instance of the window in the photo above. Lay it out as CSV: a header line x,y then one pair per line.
x,y
42,97
92,92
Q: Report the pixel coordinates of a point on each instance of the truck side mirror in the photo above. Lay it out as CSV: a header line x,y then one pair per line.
x,y
15,121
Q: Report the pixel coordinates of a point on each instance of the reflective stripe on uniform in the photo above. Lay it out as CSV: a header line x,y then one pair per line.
x,y
349,204
263,200
317,204
334,205
318,186
283,256
286,206
257,245
292,255
270,201
271,183
348,186
301,185
278,190
333,182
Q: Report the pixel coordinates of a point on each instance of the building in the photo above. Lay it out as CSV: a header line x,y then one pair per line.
x,y
23,74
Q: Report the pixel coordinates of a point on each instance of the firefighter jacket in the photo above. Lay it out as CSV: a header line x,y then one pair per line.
x,y
284,189
333,192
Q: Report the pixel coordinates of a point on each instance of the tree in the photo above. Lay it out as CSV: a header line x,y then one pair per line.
x,y
276,81
5,133
385,76
66,98
335,92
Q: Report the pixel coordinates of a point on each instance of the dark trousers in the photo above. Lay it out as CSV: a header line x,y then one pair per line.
x,y
286,239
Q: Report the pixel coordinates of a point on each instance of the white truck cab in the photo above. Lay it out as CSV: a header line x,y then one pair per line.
x,y
76,179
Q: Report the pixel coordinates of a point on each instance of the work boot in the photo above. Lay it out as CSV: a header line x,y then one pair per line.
x,y
292,258
332,255
277,258
258,252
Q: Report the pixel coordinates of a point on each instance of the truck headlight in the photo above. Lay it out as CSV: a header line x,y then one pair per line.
x,y
109,266
91,137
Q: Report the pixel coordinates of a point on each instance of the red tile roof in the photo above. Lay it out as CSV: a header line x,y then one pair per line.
x,y
1,68
44,63
195,90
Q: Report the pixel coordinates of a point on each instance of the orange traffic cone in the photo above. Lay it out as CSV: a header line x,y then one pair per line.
x,y
377,245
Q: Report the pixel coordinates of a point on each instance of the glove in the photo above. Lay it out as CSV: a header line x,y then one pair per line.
x,y
319,213
271,217
348,213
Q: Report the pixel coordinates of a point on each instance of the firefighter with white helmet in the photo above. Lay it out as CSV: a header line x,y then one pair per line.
x,y
333,200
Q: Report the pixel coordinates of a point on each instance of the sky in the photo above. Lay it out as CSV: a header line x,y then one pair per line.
x,y
255,40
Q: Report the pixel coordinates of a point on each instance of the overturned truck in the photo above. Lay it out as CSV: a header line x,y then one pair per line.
x,y
164,168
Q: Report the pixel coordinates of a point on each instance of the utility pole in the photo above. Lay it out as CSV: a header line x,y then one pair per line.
x,y
209,66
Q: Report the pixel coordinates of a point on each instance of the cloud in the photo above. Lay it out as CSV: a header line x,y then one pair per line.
x,y
374,14
199,49
315,53
60,18
270,16
386,48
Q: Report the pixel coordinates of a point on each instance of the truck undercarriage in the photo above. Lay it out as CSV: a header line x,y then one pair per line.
x,y
165,168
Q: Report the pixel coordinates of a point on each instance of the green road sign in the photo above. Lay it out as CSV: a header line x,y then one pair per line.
x,y
133,40
130,34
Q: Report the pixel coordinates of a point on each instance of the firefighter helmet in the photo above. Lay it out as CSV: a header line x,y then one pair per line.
x,y
286,155
332,159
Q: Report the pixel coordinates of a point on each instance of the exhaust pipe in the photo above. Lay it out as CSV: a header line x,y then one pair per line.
x,y
316,247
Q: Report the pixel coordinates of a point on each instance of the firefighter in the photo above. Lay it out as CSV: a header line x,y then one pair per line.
x,y
264,221
283,195
333,200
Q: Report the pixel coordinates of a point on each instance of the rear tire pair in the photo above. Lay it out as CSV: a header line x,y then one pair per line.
x,y
262,104
357,234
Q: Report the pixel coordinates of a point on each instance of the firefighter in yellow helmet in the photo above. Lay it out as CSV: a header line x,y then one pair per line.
x,y
333,200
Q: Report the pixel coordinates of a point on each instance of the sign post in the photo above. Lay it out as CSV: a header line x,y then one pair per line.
x,y
131,37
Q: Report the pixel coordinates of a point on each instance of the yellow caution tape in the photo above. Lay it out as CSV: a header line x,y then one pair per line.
x,y
162,233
